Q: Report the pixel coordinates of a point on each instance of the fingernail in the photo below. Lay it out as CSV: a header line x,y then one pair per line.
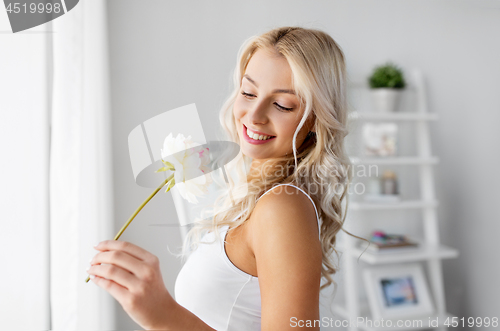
x,y
87,270
90,261
92,276
97,244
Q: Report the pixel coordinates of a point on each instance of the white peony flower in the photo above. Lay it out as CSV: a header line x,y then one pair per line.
x,y
190,162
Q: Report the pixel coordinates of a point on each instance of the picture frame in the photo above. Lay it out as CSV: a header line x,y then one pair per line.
x,y
398,291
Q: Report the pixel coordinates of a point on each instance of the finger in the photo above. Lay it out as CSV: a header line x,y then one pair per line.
x,y
116,274
119,292
136,251
120,259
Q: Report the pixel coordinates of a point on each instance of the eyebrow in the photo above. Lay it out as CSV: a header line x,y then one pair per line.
x,y
274,91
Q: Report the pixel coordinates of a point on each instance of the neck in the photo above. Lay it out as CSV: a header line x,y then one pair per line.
x,y
256,170
260,170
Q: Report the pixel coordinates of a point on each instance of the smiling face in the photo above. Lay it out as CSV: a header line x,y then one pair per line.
x,y
267,110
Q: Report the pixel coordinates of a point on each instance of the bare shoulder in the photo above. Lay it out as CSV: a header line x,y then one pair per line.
x,y
286,209
284,219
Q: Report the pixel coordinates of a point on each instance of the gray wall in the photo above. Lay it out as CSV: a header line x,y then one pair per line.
x,y
166,54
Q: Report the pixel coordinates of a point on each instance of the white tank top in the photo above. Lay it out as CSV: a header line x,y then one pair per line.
x,y
214,289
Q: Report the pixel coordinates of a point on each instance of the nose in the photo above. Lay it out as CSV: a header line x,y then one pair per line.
x,y
257,113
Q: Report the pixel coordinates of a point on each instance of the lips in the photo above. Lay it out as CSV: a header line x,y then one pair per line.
x,y
256,134
254,141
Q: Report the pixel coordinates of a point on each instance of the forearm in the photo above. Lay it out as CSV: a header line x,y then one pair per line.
x,y
179,318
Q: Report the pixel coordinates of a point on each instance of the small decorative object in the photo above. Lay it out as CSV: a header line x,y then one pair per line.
x,y
386,83
380,139
389,183
398,292
374,192
188,162
383,242
383,189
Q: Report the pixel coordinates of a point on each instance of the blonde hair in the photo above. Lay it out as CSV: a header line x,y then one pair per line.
x,y
319,79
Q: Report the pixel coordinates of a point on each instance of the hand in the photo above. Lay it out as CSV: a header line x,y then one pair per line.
x,y
132,276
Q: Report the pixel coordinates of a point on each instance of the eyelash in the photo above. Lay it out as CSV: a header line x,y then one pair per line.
x,y
280,107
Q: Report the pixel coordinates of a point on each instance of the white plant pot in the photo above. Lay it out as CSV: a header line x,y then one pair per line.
x,y
385,100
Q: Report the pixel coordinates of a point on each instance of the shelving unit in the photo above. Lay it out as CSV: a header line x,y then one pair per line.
x,y
401,160
407,204
423,252
430,250
393,117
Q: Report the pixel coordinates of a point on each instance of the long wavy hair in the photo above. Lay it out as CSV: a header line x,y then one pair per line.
x,y
320,166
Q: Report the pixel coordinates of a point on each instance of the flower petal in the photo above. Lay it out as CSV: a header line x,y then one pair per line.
x,y
194,175
192,161
183,191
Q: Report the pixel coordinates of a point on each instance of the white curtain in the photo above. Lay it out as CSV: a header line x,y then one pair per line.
x,y
24,146
80,168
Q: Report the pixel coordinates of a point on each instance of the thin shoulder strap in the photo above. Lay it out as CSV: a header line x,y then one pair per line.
x,y
307,195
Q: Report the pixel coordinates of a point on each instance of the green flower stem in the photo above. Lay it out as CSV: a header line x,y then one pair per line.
x,y
170,178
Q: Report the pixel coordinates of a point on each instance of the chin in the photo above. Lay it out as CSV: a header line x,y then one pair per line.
x,y
252,154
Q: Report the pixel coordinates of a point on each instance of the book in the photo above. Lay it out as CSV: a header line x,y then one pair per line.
x,y
387,246
382,242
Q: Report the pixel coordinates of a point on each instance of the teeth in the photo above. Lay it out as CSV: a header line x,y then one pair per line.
x,y
256,136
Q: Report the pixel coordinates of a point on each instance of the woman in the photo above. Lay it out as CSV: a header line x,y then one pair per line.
x,y
288,114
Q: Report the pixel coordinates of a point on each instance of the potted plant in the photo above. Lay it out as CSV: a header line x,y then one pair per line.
x,y
386,82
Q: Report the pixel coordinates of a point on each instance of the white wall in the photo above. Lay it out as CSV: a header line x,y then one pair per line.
x,y
169,54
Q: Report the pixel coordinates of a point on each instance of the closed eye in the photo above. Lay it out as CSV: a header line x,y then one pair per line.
x,y
248,95
280,107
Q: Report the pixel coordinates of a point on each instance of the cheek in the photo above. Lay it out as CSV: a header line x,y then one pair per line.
x,y
238,108
287,129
